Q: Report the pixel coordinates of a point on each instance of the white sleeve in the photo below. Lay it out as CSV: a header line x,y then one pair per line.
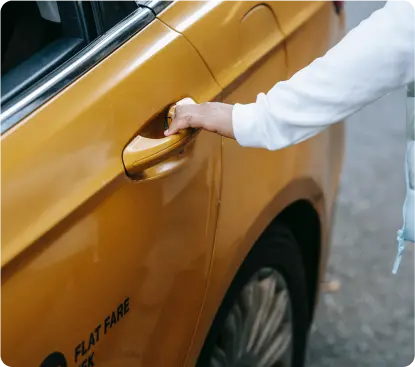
x,y
373,59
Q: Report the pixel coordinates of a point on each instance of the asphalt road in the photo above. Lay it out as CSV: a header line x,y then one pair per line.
x,y
370,320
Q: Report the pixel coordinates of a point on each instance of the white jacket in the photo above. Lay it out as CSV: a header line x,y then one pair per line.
x,y
372,60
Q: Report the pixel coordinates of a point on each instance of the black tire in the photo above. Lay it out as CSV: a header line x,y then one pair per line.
x,y
276,249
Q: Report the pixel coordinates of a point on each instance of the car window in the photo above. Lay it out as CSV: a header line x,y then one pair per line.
x,y
36,37
108,13
43,39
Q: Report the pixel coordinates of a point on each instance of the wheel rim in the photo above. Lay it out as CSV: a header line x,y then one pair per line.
x,y
258,329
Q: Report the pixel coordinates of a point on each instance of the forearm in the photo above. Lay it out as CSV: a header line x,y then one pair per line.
x,y
372,60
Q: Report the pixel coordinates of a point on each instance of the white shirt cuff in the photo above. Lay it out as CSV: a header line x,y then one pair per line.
x,y
244,121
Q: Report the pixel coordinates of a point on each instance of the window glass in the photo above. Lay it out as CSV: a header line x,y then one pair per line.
x,y
36,37
24,32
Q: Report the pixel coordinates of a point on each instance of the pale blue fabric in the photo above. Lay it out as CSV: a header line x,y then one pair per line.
x,y
406,233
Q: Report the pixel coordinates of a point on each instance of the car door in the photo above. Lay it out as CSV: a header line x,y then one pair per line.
x,y
107,227
250,46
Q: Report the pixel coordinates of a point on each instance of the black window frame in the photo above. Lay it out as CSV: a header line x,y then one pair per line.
x,y
44,88
77,35
107,14
154,5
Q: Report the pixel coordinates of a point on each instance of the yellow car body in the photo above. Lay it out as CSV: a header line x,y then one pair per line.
x,y
130,271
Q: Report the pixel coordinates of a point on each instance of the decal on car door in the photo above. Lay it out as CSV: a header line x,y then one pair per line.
x,y
84,351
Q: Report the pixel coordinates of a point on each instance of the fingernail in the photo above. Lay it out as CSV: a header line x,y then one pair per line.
x,y
166,133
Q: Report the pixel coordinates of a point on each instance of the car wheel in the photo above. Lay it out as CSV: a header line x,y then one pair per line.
x,y
263,320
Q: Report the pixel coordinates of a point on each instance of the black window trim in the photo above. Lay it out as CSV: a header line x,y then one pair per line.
x,y
107,14
29,72
156,6
72,69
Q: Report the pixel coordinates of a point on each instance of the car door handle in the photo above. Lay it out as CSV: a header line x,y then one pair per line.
x,y
144,152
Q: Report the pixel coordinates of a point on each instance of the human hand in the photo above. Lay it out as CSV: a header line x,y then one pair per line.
x,y
212,116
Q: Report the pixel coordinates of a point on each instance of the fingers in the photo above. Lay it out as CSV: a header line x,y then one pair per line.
x,y
185,116
178,124
185,101
212,116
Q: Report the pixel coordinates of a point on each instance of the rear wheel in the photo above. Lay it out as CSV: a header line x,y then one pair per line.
x,y
263,320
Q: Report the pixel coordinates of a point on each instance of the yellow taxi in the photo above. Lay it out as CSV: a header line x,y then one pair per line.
x,y
121,247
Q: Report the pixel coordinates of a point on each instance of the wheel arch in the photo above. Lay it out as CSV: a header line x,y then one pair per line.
x,y
303,198
308,234
302,207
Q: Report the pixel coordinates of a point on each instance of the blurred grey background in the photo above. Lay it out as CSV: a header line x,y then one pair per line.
x,y
370,320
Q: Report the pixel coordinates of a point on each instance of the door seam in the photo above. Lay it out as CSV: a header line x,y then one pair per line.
x,y
204,62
